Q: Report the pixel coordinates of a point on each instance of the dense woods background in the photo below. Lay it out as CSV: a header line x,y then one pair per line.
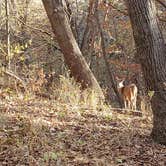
x,y
59,66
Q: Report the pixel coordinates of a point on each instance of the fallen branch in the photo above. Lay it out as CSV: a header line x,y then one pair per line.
x,y
10,73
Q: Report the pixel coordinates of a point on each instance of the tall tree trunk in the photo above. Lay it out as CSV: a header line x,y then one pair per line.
x,y
56,11
90,28
152,55
112,82
0,8
25,15
73,24
8,33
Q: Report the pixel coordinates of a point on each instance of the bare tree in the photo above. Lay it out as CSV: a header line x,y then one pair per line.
x,y
56,11
8,33
89,32
0,7
72,19
112,81
25,15
151,53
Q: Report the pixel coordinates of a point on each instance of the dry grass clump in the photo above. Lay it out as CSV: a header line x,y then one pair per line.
x,y
69,92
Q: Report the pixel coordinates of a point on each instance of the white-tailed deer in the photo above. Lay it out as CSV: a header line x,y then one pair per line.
x,y
129,95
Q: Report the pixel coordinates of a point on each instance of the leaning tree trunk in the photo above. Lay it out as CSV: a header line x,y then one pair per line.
x,y
56,11
152,55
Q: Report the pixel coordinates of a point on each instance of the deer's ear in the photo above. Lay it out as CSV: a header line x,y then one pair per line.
x,y
117,78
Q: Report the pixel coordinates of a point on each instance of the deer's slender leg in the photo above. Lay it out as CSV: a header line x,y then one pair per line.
x,y
134,102
125,103
129,104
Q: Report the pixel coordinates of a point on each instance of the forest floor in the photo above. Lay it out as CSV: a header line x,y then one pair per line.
x,y
41,132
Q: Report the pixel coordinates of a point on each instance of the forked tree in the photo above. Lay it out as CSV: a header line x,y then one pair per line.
x,y
57,13
151,53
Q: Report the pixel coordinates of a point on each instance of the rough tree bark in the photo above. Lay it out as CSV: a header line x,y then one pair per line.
x,y
112,81
0,8
56,11
8,33
25,15
151,53
73,24
90,30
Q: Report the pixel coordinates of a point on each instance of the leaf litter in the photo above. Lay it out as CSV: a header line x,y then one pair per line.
x,y
48,132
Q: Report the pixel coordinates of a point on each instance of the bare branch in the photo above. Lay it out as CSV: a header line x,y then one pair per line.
x,y
10,73
124,12
162,3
